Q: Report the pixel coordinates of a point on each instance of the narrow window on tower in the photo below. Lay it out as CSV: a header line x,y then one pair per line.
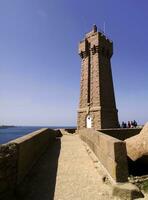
x,y
103,51
89,77
108,53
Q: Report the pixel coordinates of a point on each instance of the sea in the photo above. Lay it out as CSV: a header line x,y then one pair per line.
x,y
10,133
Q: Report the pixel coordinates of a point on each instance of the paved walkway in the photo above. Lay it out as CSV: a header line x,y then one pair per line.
x,y
66,172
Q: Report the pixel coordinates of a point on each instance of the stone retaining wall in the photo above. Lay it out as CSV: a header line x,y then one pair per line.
x,y
110,151
121,133
18,156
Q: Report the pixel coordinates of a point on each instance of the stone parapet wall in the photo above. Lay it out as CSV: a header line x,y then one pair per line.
x,y
30,147
110,151
8,169
18,156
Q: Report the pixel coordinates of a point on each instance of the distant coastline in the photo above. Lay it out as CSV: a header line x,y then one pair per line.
x,y
5,126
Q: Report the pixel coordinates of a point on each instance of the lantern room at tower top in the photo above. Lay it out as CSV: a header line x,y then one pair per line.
x,y
97,104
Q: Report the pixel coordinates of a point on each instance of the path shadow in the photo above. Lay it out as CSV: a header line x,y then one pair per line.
x,y
41,182
138,167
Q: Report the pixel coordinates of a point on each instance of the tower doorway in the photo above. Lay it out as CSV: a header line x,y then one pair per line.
x,y
89,121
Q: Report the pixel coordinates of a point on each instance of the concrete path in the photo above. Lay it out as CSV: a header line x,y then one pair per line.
x,y
66,172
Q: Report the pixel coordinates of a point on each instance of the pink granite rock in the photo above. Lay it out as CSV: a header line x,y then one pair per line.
x,y
137,146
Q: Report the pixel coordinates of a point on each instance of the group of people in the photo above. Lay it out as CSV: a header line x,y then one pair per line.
x,y
129,124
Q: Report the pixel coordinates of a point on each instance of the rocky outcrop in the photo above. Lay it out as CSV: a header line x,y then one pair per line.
x,y
137,146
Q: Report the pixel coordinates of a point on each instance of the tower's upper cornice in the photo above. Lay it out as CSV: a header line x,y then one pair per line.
x,y
96,31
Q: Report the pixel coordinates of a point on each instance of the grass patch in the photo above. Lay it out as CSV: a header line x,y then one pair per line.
x,y
144,186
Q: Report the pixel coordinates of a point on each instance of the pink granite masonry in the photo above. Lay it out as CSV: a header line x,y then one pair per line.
x,y
97,98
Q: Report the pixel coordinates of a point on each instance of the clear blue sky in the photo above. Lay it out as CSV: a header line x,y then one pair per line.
x,y
40,67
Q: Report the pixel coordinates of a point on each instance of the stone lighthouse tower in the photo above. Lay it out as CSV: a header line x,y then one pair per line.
x,y
97,107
